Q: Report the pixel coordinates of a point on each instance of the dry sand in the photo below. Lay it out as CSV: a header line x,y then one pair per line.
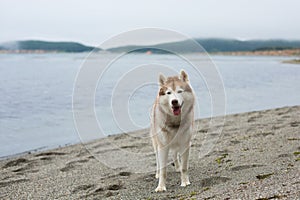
x,y
256,157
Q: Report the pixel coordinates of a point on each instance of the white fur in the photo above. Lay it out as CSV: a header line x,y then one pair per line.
x,y
172,132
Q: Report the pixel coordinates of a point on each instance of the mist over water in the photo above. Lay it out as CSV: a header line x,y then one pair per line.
x,y
36,94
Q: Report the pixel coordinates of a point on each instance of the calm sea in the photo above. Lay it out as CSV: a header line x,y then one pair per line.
x,y
36,93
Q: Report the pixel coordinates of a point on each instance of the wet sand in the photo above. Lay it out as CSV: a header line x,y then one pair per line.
x,y
256,156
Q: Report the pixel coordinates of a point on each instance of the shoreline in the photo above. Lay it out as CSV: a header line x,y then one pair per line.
x,y
257,156
283,52
294,61
54,147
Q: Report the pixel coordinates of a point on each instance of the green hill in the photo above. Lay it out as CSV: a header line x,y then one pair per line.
x,y
187,46
213,45
35,45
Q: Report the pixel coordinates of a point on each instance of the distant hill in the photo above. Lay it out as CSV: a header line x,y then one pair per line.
x,y
210,45
223,45
37,45
214,45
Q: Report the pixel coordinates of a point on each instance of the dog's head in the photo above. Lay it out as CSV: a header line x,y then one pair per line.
x,y
175,93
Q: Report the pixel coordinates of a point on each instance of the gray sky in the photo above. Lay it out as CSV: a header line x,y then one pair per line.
x,y
94,21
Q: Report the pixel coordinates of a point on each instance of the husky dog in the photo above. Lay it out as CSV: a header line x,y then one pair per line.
x,y
171,126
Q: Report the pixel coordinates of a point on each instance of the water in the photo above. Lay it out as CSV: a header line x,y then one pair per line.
x,y
36,94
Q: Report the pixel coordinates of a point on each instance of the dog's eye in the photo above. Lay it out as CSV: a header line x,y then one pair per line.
x,y
179,91
168,92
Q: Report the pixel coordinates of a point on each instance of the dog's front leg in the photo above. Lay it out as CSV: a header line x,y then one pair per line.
x,y
184,167
157,164
163,157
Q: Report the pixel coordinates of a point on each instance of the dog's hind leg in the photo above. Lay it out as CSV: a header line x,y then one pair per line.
x,y
176,161
155,147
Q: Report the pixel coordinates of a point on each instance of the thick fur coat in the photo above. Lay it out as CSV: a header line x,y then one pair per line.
x,y
172,126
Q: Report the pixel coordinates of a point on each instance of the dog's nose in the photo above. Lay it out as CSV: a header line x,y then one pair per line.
x,y
174,102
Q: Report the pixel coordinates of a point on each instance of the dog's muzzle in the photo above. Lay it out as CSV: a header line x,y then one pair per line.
x,y
176,108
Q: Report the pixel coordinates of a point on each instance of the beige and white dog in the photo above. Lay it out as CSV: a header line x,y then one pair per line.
x,y
172,120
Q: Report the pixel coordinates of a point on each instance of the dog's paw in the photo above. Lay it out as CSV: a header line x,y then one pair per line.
x,y
185,183
160,189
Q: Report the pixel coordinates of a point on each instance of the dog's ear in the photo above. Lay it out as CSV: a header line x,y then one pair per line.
x,y
184,76
162,80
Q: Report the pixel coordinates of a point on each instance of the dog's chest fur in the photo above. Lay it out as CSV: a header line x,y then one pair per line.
x,y
171,130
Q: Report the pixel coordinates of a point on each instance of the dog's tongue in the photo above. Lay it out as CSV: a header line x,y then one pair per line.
x,y
176,110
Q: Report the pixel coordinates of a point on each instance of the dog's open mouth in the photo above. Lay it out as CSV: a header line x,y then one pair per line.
x,y
176,110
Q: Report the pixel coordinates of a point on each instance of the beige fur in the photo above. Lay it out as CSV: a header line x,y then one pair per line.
x,y
171,126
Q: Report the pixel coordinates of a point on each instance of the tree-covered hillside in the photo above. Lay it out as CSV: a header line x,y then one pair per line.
x,y
215,45
188,46
34,45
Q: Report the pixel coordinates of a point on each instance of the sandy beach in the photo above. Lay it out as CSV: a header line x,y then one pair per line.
x,y
256,156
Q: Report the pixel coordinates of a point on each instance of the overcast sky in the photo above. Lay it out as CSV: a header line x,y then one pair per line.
x,y
94,21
